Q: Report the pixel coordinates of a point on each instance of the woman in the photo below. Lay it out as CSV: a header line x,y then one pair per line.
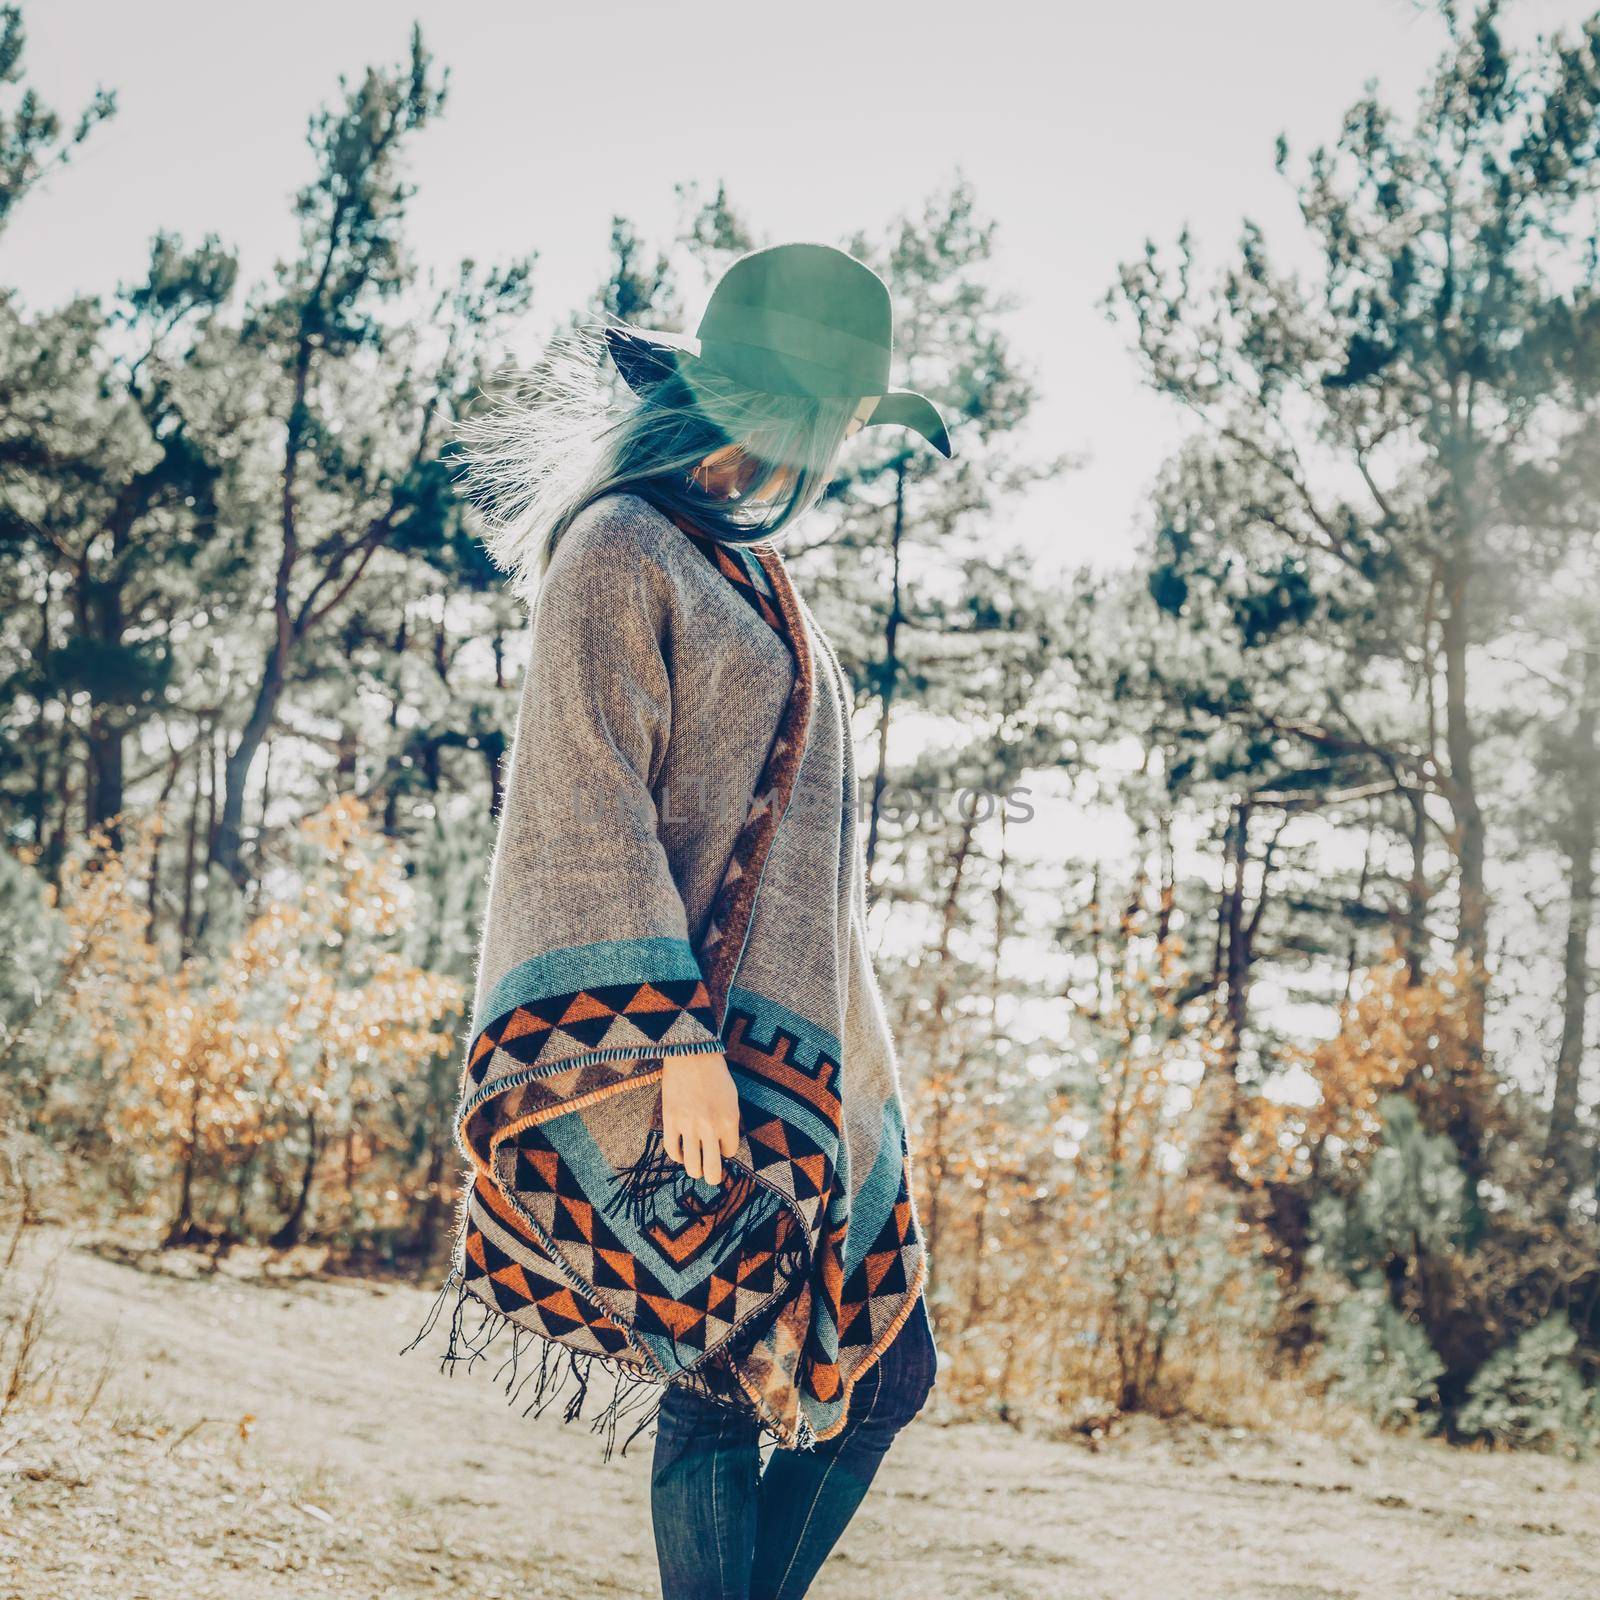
x,y
682,1105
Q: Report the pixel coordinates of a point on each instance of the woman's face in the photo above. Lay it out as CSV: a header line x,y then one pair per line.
x,y
721,470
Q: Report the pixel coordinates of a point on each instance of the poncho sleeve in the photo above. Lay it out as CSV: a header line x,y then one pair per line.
x,y
587,953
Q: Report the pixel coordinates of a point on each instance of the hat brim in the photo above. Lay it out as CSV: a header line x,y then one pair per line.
x,y
646,358
908,409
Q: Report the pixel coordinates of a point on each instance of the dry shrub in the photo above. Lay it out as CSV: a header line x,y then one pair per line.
x,y
261,1087
1089,1262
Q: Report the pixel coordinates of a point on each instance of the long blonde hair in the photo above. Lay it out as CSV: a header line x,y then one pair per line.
x,y
559,436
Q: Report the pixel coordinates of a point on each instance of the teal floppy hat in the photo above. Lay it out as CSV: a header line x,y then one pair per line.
x,y
802,319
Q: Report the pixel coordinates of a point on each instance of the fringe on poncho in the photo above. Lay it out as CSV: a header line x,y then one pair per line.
x,y
679,869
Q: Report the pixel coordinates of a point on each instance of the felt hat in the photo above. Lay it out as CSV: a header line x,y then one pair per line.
x,y
802,319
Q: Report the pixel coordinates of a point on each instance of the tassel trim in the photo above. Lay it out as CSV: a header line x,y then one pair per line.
x,y
561,1372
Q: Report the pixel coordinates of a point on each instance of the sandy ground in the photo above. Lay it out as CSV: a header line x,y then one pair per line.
x,y
267,1439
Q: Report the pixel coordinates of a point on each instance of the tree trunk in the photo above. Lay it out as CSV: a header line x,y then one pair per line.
x,y
1416,928
56,849
425,1241
289,1234
162,807
942,1056
347,761
493,746
891,667
1236,945
391,793
1232,977
98,608
978,1305
1472,930
227,841
1562,1142
1465,1126
103,799
40,800
266,787
182,1229
1236,954
191,847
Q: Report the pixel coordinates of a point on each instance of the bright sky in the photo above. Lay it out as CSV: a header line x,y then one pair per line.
x,y
1083,128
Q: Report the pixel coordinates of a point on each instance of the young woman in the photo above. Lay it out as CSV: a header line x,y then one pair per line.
x,y
682,1105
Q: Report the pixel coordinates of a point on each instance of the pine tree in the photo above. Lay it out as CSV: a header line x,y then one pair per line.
x,y
1343,527
33,141
363,407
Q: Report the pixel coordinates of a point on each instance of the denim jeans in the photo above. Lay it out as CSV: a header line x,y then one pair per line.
x,y
726,1530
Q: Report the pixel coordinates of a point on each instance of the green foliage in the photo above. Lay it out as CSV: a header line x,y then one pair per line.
x,y
1387,480
32,138
1531,1395
33,944
1412,1202
353,211
114,674
1349,520
1408,1215
1377,1360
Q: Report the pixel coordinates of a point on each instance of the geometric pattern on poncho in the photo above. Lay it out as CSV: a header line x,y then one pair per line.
x,y
575,1227
681,1277
857,1302
620,1018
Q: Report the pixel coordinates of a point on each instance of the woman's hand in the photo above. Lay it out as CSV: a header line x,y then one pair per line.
x,y
699,1113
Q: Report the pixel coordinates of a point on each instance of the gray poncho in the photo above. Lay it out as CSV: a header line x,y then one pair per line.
x,y
679,869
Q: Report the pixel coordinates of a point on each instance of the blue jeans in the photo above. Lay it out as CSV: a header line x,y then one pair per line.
x,y
726,1530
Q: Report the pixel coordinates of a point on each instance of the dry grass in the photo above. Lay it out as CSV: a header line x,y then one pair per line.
x,y
218,1434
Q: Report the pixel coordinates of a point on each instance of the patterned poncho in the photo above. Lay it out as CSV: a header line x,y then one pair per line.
x,y
679,869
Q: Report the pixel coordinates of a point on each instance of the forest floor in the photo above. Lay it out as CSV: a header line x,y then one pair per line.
x,y
222,1436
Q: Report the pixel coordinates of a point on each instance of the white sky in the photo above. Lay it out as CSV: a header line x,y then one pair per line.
x,y
1083,128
